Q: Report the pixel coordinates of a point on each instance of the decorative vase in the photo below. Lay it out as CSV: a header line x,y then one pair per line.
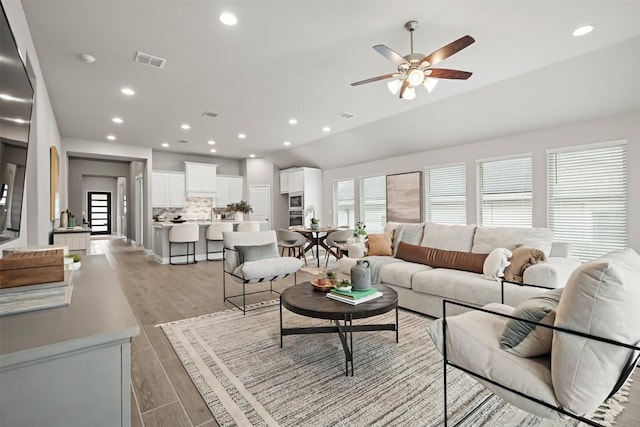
x,y
238,216
72,222
315,226
360,238
361,276
63,219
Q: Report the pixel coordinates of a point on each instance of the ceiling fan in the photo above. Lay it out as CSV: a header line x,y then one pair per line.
x,y
415,69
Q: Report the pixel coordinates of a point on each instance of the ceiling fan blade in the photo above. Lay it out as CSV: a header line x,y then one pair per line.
x,y
374,79
405,85
390,54
448,50
443,73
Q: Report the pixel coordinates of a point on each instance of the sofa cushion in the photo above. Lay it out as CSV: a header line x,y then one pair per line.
x,y
408,233
487,239
528,340
601,298
522,258
441,259
448,237
401,273
268,268
379,244
456,285
495,263
248,253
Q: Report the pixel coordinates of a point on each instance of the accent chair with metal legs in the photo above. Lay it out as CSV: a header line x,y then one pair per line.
x,y
214,235
337,240
592,335
250,260
292,241
184,234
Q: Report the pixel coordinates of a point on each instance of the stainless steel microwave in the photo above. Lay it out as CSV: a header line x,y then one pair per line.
x,y
296,201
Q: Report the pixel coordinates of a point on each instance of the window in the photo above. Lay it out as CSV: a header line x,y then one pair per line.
x,y
445,194
504,192
344,210
373,203
587,197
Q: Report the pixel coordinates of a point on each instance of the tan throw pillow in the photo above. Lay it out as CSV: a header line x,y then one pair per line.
x,y
439,258
522,258
380,244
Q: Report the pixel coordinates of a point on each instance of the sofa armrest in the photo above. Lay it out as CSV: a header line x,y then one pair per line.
x,y
560,249
356,250
552,273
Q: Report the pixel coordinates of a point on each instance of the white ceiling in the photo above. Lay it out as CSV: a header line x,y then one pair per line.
x,y
297,59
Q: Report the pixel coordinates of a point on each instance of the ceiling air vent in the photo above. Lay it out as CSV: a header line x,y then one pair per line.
x,y
347,115
150,60
210,114
181,141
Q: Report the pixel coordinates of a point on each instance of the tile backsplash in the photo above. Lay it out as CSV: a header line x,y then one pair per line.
x,y
194,208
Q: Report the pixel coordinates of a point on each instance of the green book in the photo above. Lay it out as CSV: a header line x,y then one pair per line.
x,y
354,294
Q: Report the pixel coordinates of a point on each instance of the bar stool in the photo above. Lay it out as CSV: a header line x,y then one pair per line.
x,y
184,233
214,234
249,226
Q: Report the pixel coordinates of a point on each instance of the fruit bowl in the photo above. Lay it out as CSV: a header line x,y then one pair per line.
x,y
321,286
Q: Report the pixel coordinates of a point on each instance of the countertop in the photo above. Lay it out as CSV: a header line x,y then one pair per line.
x,y
166,224
78,229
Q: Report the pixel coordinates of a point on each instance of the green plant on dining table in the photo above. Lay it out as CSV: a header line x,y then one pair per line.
x,y
315,221
360,229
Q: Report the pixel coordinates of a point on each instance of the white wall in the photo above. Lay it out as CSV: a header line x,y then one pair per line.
x,y
175,162
626,126
35,224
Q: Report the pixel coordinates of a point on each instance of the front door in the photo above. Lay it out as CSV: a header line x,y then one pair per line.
x,y
99,204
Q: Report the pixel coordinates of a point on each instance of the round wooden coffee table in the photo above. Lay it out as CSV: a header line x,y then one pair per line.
x,y
302,299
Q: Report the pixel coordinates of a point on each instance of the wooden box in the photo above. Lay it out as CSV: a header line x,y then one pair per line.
x,y
30,268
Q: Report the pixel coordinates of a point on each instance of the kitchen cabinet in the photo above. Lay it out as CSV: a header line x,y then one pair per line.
x,y
284,182
296,181
228,190
200,179
307,181
167,189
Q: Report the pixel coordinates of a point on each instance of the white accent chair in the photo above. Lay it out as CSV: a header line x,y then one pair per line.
x,y
593,340
252,258
338,240
292,241
188,234
249,226
214,234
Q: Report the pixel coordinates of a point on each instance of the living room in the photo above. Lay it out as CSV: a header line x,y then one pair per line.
x,y
566,101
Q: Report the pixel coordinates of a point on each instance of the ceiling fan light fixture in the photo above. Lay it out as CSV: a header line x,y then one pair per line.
x,y
415,78
430,84
409,93
394,86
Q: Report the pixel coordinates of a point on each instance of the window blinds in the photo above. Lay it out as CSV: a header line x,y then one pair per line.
x,y
504,192
344,203
445,194
587,198
373,203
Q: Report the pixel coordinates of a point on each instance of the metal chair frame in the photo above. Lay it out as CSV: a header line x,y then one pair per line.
x,y
187,254
628,369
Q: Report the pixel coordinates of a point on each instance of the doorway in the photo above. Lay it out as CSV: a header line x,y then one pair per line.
x,y
260,201
99,203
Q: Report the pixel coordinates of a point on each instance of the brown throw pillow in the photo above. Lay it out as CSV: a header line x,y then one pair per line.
x,y
439,258
521,258
380,244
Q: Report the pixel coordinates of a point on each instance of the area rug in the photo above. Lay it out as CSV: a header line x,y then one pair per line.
x,y
245,378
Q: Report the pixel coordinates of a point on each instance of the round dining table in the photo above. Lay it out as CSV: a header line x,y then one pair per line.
x,y
316,239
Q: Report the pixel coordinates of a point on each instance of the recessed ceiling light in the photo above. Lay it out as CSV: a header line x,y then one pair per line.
x,y
242,136
326,129
165,144
213,150
211,142
252,155
117,120
293,122
127,91
111,137
185,126
89,59
287,143
581,31
228,18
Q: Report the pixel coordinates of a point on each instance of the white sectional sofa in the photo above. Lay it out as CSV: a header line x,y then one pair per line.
x,y
422,288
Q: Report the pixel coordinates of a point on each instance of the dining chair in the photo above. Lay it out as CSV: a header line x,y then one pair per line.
x,y
293,241
337,240
187,233
214,234
249,226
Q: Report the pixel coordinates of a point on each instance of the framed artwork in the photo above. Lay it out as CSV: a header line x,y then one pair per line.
x,y
404,197
54,179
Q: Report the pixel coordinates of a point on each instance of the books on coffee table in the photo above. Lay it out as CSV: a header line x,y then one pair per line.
x,y
354,297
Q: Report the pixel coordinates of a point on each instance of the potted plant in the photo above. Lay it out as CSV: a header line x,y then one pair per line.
x,y
360,231
72,262
315,223
311,210
239,209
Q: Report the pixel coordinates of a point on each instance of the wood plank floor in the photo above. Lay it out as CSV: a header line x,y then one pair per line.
x,y
162,392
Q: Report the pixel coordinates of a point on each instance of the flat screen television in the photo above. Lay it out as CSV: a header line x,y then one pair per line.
x,y
16,105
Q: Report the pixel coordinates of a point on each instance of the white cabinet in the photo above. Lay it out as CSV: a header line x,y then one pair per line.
x,y
284,182
200,179
229,190
167,189
296,181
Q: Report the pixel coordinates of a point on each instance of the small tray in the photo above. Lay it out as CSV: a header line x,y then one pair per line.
x,y
321,288
178,221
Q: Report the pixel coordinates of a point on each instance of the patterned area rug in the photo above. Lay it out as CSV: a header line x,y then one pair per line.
x,y
245,378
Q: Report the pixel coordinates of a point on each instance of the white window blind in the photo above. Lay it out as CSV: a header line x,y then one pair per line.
x,y
445,194
587,198
504,192
373,203
344,210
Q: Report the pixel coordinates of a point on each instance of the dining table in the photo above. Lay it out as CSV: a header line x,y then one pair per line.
x,y
317,238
